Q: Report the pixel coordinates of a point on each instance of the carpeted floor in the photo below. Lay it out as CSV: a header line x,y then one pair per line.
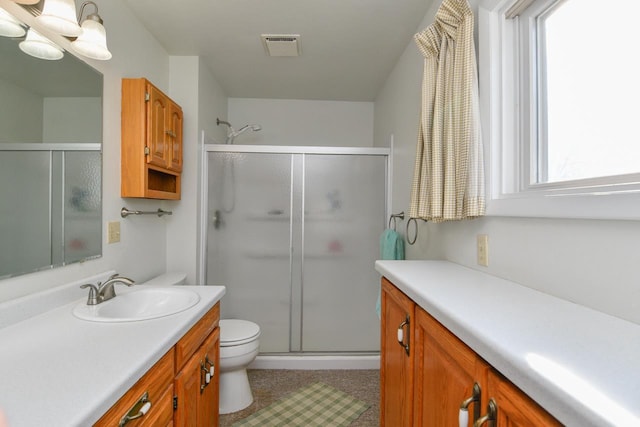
x,y
270,385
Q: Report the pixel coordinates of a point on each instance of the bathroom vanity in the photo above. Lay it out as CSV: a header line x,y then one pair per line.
x,y
59,370
541,360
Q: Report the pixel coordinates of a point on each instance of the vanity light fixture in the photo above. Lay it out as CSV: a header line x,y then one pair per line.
x,y
59,16
10,26
92,42
39,46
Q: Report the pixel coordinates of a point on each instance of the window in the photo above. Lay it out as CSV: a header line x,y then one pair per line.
x,y
559,89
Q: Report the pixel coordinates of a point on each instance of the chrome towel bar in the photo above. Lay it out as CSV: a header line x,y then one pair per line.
x,y
124,212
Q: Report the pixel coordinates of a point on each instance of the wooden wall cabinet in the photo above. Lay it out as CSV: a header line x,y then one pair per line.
x,y
151,145
444,371
177,386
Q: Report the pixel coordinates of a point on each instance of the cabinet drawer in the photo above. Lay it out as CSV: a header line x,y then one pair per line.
x,y
196,335
163,414
158,383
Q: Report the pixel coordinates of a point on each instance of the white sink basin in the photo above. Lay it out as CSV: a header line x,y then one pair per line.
x,y
139,304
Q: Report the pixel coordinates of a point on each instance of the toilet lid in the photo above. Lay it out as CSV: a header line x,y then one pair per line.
x,y
236,332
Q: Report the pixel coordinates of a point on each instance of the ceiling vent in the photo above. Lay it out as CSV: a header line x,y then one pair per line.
x,y
281,44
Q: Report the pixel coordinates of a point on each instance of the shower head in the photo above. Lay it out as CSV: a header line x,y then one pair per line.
x,y
243,129
231,135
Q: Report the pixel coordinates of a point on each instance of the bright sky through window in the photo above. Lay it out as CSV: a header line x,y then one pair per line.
x,y
593,89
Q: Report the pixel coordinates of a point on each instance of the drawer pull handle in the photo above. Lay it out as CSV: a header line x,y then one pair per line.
x,y
401,335
463,415
170,133
139,409
492,414
212,368
205,373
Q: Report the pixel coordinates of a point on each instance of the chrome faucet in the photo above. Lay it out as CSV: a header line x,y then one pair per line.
x,y
105,291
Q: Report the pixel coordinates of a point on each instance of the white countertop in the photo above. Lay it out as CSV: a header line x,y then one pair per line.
x,y
581,365
57,370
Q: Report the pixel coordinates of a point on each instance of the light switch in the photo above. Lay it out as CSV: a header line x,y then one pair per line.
x,y
483,250
113,233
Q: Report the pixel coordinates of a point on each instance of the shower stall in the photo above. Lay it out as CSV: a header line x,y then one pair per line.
x,y
293,233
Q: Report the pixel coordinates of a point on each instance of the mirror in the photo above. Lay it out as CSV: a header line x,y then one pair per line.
x,y
50,161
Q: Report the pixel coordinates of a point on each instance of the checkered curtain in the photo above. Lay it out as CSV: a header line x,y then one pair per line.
x,y
448,182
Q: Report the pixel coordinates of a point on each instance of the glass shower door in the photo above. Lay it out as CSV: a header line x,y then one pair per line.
x,y
294,237
248,240
344,213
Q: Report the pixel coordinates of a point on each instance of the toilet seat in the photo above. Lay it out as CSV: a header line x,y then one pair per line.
x,y
237,332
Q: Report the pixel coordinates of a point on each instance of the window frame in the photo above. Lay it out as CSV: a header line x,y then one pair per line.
x,y
507,128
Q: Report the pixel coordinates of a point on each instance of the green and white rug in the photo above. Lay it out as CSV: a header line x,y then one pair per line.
x,y
316,405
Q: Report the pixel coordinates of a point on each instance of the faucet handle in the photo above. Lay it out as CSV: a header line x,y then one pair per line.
x,y
93,293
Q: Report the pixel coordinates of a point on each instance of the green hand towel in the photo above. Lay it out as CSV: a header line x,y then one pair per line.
x,y
391,247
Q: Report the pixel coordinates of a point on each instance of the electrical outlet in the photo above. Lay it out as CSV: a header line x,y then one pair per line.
x,y
483,250
113,232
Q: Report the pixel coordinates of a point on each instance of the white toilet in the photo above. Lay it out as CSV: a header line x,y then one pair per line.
x,y
167,279
238,348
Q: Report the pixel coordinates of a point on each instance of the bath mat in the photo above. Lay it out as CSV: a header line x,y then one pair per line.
x,y
316,405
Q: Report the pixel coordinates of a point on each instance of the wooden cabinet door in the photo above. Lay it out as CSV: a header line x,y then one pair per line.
x,y
515,408
175,137
210,395
187,389
396,364
157,127
445,373
197,404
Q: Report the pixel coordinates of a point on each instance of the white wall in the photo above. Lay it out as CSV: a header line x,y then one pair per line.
x,y
397,112
303,122
201,98
141,252
594,263
20,120
85,114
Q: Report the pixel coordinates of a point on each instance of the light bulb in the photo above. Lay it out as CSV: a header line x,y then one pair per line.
x,y
92,43
39,46
10,26
60,16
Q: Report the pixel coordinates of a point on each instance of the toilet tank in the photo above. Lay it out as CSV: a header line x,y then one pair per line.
x,y
167,279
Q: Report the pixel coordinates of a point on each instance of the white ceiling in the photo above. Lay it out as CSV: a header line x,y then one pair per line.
x,y
349,47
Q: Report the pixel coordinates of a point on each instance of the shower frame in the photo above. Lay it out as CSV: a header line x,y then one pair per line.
x,y
210,146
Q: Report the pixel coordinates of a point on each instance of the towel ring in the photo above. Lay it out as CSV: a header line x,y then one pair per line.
x,y
393,217
415,235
